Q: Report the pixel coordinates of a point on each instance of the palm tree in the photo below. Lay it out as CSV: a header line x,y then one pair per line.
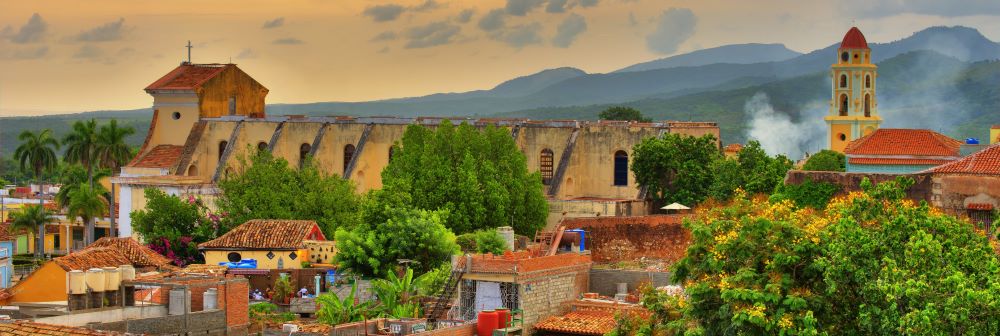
x,y
81,146
88,204
113,152
33,218
37,151
72,177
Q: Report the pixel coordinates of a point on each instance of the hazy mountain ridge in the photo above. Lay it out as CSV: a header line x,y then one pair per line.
x,y
748,53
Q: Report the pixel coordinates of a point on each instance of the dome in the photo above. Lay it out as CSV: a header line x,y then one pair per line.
x,y
854,40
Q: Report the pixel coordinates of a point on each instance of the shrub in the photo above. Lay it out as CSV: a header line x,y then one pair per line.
x,y
490,241
467,242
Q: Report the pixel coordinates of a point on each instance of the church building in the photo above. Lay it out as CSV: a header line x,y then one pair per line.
x,y
853,106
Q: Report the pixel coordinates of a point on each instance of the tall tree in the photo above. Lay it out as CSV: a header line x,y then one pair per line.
x,y
81,146
72,176
33,218
826,160
675,167
479,176
623,113
112,152
37,151
88,204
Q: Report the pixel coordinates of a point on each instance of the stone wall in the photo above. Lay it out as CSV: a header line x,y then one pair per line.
x,y
920,191
954,192
548,293
206,322
605,282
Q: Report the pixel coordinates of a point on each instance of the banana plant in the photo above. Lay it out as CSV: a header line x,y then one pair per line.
x,y
334,310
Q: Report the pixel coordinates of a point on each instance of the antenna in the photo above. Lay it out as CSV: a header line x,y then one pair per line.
x,y
189,46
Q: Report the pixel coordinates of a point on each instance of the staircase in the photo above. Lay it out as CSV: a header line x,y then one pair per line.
x,y
544,239
440,307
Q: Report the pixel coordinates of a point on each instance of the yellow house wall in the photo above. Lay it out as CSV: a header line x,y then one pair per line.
x,y
169,131
994,135
215,257
47,283
835,130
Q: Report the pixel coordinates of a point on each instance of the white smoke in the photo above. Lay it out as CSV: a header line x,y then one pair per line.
x,y
778,134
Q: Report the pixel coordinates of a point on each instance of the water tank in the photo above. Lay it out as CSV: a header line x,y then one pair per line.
x,y
112,278
76,282
508,236
180,301
128,272
971,141
210,299
95,279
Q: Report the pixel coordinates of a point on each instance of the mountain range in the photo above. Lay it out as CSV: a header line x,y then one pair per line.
x,y
706,85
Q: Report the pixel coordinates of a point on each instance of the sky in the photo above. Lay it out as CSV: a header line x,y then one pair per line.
x,y
59,56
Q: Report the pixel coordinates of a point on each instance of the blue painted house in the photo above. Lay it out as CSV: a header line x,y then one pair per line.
x,y
6,253
900,151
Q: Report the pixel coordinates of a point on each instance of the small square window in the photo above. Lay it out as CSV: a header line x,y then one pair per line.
x,y
270,255
292,255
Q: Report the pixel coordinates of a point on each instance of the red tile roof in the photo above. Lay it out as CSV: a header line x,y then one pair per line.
x,y
984,162
138,254
188,77
267,234
732,148
892,141
23,327
897,161
162,156
92,258
854,39
5,233
979,206
580,323
996,127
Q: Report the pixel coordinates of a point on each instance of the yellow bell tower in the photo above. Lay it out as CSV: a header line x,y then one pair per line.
x,y
853,106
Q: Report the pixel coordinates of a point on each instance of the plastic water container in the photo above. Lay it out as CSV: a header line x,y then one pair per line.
x,y
487,323
210,299
180,301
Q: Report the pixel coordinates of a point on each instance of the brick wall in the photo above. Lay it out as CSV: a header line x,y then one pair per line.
x,y
545,294
462,330
237,303
612,239
920,191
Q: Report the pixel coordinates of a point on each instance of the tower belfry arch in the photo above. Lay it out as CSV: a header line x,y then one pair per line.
x,y
853,82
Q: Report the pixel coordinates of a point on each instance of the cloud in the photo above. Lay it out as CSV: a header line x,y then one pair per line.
x,y
6,32
383,13
556,6
278,22
383,50
428,5
632,21
522,7
246,53
288,41
384,36
883,8
675,26
588,3
25,53
492,21
520,36
30,32
111,31
88,51
430,35
568,30
465,15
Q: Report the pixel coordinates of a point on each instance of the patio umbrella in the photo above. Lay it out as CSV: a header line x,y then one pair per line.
x,y
675,206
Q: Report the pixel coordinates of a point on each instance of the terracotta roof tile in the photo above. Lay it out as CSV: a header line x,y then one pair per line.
x,y
984,162
896,161
188,77
5,233
92,258
854,39
162,156
891,141
23,327
138,254
581,322
979,206
258,234
732,148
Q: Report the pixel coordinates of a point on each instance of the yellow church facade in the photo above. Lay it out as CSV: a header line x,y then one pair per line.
x,y
853,105
193,143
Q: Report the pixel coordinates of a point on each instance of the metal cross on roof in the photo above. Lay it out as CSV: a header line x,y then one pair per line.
x,y
189,46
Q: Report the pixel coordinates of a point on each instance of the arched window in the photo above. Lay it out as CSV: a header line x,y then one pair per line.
x,y
868,106
261,146
193,170
843,105
843,81
621,168
868,81
222,148
348,156
545,166
304,150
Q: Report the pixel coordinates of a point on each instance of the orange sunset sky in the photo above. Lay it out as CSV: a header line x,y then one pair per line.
x,y
72,56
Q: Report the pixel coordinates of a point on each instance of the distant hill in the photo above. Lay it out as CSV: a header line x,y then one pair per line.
x,y
698,91
734,54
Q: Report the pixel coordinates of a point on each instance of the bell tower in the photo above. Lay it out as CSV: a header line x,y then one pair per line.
x,y
853,106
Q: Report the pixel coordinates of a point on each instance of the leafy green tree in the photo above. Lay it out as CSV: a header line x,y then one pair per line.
x,y
33,218
81,146
374,249
811,194
72,176
267,187
673,168
174,227
872,263
478,176
88,204
826,160
490,241
623,113
467,242
752,170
